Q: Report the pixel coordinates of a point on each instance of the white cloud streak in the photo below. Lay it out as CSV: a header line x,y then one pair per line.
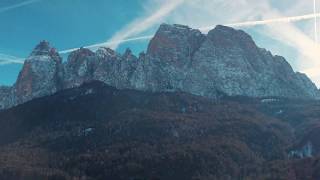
x,y
143,23
139,25
268,21
109,43
15,6
204,29
8,59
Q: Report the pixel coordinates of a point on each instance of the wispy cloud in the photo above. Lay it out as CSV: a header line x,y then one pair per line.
x,y
267,21
143,23
8,59
15,6
137,26
205,30
277,20
109,43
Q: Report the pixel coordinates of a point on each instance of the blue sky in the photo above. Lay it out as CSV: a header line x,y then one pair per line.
x,y
74,23
64,23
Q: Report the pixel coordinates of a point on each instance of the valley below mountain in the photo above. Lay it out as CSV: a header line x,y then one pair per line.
x,y
99,132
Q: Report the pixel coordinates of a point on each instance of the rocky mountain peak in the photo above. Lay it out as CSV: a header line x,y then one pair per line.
x,y
41,74
175,43
228,41
174,28
179,58
79,55
104,52
44,49
128,55
228,37
78,68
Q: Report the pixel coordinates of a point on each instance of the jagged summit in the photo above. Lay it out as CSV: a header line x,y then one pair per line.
x,y
128,55
44,49
175,43
83,52
178,58
104,52
79,54
173,27
41,74
229,31
127,52
228,37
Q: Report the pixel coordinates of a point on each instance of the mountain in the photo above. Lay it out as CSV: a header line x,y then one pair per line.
x,y
41,74
223,62
97,132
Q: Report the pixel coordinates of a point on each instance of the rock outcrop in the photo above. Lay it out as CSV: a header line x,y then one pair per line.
x,y
41,75
79,68
115,69
178,58
224,61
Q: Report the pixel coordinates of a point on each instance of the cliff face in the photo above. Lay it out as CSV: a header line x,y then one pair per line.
x,y
178,58
79,68
41,74
226,61
229,61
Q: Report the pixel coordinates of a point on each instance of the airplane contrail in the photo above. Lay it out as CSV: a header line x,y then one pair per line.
x,y
268,21
25,3
7,59
105,44
208,28
203,29
143,23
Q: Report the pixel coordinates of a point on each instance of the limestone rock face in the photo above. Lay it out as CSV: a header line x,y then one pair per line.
x,y
113,68
229,61
169,57
175,44
79,68
225,61
41,75
307,86
178,58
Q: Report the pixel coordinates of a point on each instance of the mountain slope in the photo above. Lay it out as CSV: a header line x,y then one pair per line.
x,y
99,132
